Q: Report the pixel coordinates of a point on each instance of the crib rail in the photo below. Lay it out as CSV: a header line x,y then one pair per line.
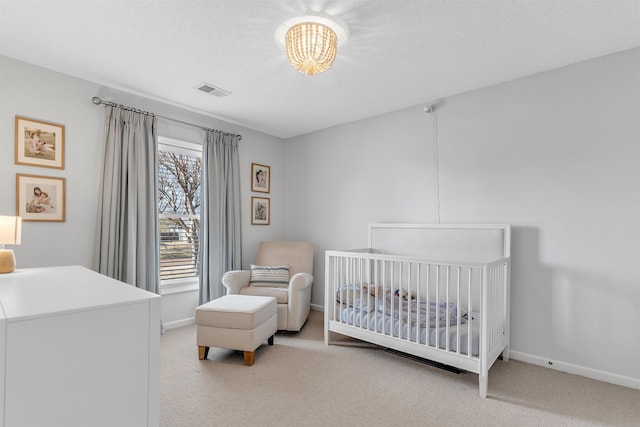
x,y
451,312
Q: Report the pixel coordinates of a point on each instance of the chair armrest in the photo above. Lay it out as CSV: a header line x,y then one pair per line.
x,y
300,282
235,280
299,300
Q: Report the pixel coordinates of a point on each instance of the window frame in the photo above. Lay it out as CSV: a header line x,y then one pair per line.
x,y
169,286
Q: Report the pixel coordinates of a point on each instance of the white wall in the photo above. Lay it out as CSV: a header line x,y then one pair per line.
x,y
556,155
36,93
43,94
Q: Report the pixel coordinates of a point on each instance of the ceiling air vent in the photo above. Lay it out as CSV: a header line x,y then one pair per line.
x,y
213,90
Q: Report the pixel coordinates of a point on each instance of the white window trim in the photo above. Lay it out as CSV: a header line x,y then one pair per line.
x,y
173,286
180,147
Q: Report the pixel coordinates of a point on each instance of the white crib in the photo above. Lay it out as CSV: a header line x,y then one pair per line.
x,y
399,294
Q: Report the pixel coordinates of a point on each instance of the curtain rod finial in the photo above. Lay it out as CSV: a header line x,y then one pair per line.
x,y
96,100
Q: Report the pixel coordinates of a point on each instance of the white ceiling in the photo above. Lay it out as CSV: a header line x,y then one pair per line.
x,y
398,53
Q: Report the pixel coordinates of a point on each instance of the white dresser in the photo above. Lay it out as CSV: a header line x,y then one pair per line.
x,y
77,349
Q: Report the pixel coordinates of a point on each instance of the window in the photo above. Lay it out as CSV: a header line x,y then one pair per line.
x,y
179,165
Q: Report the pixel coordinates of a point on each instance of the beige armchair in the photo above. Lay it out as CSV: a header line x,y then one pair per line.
x,y
294,298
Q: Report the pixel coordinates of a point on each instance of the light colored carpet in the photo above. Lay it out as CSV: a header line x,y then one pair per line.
x,y
301,382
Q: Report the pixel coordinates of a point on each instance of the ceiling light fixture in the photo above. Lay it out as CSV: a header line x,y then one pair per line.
x,y
311,43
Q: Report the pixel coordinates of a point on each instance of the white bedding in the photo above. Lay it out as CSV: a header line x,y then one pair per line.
x,y
396,316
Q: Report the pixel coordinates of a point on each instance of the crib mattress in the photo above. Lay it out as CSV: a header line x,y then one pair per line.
x,y
399,328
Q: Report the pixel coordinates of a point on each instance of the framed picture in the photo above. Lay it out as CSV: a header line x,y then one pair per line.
x,y
260,178
40,198
39,143
260,211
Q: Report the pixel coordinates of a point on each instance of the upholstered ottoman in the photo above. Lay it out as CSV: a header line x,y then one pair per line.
x,y
237,322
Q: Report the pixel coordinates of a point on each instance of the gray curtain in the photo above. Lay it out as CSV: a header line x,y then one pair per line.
x,y
220,238
127,235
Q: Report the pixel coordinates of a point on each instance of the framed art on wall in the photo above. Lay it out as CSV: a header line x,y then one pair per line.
x,y
260,178
260,214
40,198
39,143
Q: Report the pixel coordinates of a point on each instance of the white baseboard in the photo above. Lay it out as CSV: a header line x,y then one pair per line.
x,y
569,368
179,323
316,307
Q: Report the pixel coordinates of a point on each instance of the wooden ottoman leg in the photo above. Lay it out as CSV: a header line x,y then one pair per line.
x,y
270,340
249,357
203,352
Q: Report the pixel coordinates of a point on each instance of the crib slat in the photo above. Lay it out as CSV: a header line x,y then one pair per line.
x,y
427,331
418,292
458,315
408,301
375,281
437,324
400,314
384,293
338,267
363,294
446,344
469,314
392,309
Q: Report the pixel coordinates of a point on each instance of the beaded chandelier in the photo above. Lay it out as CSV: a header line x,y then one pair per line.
x,y
311,42
311,47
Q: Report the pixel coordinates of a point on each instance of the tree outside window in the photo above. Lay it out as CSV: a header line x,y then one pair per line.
x,y
179,210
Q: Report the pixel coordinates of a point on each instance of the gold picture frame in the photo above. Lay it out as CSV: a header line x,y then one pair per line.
x,y
40,198
260,178
39,143
260,211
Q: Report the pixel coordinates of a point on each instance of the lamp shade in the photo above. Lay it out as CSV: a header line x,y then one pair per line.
x,y
10,230
10,233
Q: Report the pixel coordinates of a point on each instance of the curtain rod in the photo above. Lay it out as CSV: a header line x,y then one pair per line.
x,y
98,101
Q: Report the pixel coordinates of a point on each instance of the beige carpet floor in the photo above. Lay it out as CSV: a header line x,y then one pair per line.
x,y
301,382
